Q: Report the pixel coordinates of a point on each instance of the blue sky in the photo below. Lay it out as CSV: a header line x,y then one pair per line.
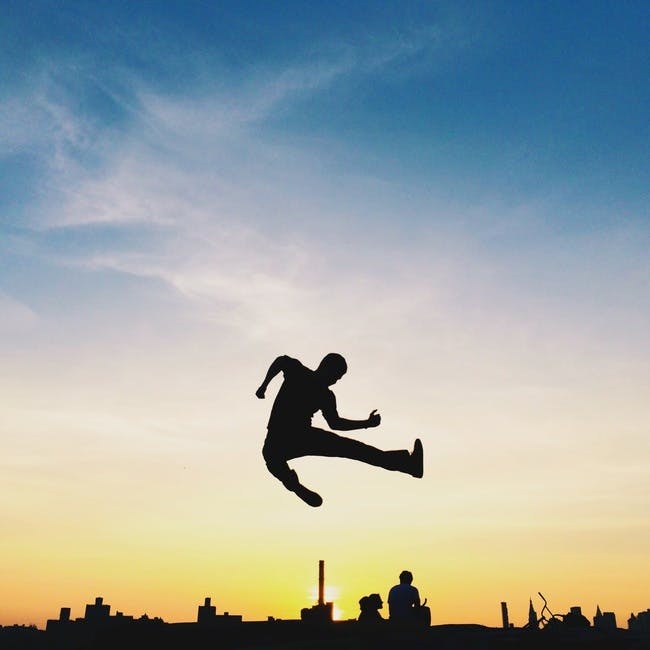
x,y
511,126
454,195
529,98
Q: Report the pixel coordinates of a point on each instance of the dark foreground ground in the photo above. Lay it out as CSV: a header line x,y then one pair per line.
x,y
290,635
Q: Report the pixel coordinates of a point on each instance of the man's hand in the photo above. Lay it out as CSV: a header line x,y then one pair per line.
x,y
374,419
260,392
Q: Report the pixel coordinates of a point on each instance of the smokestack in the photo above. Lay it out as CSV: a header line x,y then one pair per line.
x,y
504,615
321,582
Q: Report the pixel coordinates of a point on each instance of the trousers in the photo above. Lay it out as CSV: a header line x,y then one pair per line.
x,y
281,446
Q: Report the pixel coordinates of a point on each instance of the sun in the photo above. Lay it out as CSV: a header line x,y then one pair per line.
x,y
332,593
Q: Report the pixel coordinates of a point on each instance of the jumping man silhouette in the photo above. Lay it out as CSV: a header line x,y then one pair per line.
x,y
291,435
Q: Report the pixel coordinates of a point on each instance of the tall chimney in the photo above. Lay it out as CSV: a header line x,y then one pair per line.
x,y
504,615
321,582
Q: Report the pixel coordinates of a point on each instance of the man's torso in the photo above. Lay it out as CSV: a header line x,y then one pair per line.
x,y
299,397
401,599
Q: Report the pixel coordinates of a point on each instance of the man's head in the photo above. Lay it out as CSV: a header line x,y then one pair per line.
x,y
332,368
406,578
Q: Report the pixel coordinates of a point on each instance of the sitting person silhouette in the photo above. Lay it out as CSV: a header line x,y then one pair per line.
x,y
291,435
370,606
403,600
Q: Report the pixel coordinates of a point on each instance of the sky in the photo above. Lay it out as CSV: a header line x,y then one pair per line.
x,y
453,195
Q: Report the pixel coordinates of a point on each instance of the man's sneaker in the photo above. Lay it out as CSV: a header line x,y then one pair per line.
x,y
309,497
416,460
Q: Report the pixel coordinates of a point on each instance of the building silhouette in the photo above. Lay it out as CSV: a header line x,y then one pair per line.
x,y
640,623
207,612
605,621
533,623
321,612
97,612
574,618
207,615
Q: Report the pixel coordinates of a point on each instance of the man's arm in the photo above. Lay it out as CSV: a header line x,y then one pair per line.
x,y
279,365
338,423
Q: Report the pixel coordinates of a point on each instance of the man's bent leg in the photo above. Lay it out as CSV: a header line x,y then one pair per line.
x,y
277,465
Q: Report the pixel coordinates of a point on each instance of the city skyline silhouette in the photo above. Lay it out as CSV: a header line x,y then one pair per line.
x,y
99,627
539,615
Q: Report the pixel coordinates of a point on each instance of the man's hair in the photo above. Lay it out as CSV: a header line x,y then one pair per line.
x,y
406,576
334,362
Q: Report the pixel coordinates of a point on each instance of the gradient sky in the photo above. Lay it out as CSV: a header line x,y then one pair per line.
x,y
454,195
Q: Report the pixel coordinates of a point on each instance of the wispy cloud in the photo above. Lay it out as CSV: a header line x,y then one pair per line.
x,y
15,316
242,225
196,172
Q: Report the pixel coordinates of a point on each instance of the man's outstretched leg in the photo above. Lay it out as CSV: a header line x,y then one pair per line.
x,y
277,465
326,443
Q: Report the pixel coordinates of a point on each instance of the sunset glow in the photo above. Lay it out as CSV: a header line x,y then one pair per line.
x,y
454,196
